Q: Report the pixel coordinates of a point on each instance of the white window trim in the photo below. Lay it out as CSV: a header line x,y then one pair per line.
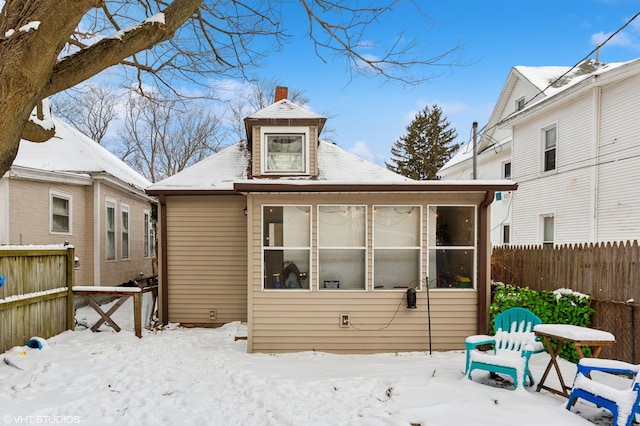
x,y
148,239
419,246
284,130
543,148
69,198
504,225
110,202
309,248
365,247
436,246
522,98
504,163
541,218
125,208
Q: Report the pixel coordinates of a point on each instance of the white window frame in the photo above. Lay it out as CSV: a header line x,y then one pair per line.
x,y
64,196
363,248
295,130
410,210
541,226
149,245
520,103
545,149
505,229
125,230
110,203
433,245
269,246
504,169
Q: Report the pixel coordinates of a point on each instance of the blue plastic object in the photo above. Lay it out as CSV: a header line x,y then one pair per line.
x,y
598,393
2,278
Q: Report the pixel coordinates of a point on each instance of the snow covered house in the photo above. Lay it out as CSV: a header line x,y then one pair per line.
x,y
569,138
318,249
71,189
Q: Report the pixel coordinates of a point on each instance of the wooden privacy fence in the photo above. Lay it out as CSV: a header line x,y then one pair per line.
x,y
610,272
35,297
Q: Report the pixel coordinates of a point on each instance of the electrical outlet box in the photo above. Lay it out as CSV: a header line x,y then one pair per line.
x,y
213,314
344,320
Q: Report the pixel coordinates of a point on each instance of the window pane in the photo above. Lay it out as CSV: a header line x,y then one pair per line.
x,y
342,269
341,226
396,226
548,228
60,223
452,268
111,233
506,234
451,226
59,214
286,226
550,138
507,171
285,153
550,160
286,269
396,268
145,236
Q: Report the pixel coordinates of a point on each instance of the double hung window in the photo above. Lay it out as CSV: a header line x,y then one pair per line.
x,y
110,237
285,152
286,246
60,208
342,247
550,135
396,247
452,253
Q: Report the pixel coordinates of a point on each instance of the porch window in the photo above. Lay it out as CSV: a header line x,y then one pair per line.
x,y
110,237
124,224
342,236
452,246
286,246
285,150
396,247
60,208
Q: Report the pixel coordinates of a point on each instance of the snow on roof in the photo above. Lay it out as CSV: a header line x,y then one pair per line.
x,y
285,109
218,172
222,169
72,151
542,77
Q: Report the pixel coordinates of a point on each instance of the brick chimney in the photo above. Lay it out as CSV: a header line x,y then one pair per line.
x,y
281,93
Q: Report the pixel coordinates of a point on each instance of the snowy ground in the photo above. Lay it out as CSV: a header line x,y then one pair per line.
x,y
183,376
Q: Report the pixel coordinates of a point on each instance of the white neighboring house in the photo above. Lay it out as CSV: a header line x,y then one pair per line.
x,y
570,139
71,189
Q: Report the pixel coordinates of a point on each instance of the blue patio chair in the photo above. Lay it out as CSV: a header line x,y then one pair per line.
x,y
513,344
623,404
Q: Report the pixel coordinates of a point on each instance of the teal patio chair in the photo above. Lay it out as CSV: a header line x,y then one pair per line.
x,y
623,403
513,344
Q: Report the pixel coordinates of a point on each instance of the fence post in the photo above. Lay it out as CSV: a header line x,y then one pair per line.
x,y
71,314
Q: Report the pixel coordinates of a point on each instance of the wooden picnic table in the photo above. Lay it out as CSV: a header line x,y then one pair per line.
x,y
581,337
122,293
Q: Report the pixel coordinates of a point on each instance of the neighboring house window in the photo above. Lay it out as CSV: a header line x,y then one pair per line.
x,y
342,247
452,250
111,230
124,224
148,235
506,234
550,136
60,209
548,230
520,104
506,170
286,246
396,247
285,150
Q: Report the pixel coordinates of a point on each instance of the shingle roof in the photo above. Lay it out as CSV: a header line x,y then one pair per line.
x,y
285,109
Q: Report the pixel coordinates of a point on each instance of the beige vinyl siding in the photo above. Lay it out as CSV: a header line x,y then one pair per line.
x,y
207,259
299,320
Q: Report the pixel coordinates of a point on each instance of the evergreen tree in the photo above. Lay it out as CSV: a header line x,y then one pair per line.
x,y
425,147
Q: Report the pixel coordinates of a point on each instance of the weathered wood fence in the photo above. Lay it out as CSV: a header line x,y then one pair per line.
x,y
610,272
35,297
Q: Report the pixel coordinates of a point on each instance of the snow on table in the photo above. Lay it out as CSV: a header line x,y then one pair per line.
x,y
574,333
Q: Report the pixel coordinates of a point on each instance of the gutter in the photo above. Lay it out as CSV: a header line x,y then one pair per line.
x,y
164,282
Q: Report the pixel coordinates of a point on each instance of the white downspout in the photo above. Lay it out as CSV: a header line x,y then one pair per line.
x,y
597,92
97,226
5,226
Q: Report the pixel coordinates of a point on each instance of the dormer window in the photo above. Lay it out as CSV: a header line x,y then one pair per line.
x,y
285,150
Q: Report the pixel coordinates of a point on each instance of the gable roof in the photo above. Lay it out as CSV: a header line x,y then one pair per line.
x,y
284,108
71,151
221,170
